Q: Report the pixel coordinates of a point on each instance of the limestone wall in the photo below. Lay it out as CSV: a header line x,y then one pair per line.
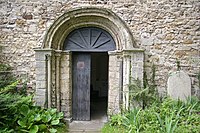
x,y
166,29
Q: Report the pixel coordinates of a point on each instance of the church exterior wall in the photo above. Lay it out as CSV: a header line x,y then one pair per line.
x,y
168,30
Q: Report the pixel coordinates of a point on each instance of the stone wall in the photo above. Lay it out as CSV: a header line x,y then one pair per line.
x,y
167,29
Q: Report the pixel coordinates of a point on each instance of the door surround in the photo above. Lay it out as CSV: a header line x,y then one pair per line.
x,y
54,65
82,42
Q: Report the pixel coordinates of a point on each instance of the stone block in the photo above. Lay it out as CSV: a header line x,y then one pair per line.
x,y
179,85
40,97
32,28
41,92
40,64
63,108
41,77
187,41
40,101
147,39
41,84
40,56
140,57
27,16
40,70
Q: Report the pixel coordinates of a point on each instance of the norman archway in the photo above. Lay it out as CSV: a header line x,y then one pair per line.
x,y
89,17
54,64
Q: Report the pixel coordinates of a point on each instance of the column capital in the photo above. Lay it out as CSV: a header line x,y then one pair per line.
x,y
44,51
40,54
116,52
133,50
58,53
129,52
66,52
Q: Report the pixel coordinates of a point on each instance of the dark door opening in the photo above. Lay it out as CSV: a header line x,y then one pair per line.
x,y
90,86
99,85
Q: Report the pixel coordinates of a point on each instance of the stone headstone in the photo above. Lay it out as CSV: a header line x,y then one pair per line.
x,y
179,85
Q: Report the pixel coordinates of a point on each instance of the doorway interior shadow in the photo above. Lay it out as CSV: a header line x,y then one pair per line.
x,y
99,86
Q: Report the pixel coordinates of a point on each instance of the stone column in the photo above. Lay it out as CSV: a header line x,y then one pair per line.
x,y
114,82
53,80
66,84
133,68
126,79
48,80
57,64
41,97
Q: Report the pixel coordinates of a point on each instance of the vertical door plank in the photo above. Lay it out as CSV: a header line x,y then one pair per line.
x,y
81,86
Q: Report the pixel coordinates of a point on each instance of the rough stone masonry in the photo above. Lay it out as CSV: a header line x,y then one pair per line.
x,y
168,30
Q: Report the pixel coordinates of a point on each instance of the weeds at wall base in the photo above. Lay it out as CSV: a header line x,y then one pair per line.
x,y
155,114
168,116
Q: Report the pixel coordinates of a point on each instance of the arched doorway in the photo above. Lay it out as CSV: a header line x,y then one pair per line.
x,y
89,46
54,63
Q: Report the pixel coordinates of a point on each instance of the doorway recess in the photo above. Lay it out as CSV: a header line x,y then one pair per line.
x,y
89,46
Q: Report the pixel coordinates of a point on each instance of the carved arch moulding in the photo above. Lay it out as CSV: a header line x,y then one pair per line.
x,y
89,17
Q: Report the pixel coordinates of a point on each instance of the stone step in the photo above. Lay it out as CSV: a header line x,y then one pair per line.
x,y
84,131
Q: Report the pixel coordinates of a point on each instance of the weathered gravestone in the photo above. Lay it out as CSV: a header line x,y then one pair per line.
x,y
179,85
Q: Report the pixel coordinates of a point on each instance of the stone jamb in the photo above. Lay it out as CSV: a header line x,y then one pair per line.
x,y
114,83
42,83
66,84
133,62
136,58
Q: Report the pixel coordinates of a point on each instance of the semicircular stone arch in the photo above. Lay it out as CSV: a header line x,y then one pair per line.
x,y
89,17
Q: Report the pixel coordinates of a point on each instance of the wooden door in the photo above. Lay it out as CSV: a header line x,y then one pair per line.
x,y
81,86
